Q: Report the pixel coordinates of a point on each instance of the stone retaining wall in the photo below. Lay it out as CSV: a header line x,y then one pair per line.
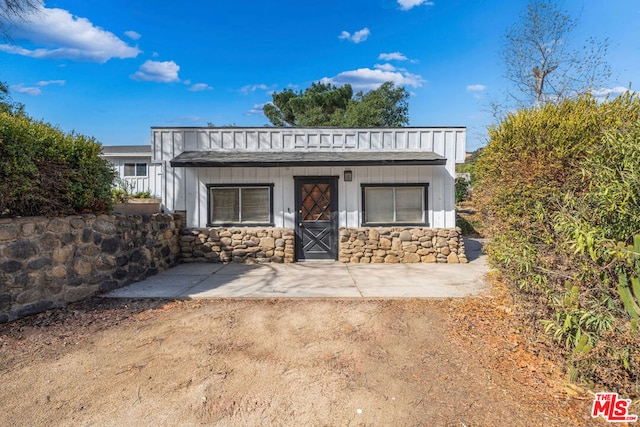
x,y
47,262
242,244
400,244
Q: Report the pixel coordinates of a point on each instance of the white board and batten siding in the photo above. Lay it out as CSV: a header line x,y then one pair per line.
x,y
185,188
120,155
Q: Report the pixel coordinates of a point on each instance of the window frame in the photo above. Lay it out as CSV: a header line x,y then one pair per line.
x,y
425,206
210,223
135,169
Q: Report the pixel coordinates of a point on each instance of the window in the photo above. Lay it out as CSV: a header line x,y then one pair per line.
x,y
399,204
247,204
135,169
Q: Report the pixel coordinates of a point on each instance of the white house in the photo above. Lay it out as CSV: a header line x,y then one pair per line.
x,y
328,187
133,164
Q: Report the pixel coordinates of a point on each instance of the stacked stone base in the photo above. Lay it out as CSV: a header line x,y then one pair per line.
x,y
356,245
401,245
241,244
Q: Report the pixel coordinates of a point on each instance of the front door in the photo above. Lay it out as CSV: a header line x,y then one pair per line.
x,y
316,218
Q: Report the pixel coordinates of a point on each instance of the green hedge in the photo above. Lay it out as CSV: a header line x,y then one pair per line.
x,y
560,188
44,171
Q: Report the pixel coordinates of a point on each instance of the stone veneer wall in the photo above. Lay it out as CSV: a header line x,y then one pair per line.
x,y
238,244
357,245
47,262
400,244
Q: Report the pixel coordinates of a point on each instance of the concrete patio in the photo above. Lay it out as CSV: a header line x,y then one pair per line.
x,y
316,280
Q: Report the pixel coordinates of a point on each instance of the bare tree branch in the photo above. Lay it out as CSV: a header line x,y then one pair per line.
x,y
13,11
539,59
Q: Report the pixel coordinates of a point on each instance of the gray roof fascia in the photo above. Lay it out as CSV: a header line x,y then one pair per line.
x,y
126,151
305,158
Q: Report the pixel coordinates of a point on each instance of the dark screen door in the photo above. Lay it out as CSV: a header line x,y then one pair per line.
x,y
316,218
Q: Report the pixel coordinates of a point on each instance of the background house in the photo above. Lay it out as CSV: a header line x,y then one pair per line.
x,y
133,164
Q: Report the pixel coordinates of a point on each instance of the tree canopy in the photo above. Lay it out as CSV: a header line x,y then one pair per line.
x,y
328,105
7,105
4,98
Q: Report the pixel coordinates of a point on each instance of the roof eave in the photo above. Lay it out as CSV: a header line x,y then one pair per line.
x,y
277,164
125,155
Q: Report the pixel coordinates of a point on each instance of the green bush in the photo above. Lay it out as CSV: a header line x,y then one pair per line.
x,y
122,191
143,194
560,187
466,226
44,171
462,189
469,164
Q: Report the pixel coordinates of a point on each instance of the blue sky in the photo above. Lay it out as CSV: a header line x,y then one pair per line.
x,y
112,69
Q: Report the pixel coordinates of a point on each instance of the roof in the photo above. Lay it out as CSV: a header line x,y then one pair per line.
x,y
126,150
298,128
305,158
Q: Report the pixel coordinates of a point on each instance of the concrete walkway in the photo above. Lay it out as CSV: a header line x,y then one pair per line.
x,y
316,279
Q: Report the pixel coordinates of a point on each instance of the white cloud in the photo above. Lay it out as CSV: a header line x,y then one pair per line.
x,y
257,110
51,82
396,56
409,4
155,71
476,88
367,79
199,87
384,67
252,88
393,56
132,35
607,92
64,36
35,90
20,88
357,37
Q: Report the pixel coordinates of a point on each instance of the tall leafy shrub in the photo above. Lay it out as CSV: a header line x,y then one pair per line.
x,y
533,159
560,185
44,171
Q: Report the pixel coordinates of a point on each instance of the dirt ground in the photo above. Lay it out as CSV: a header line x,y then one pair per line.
x,y
281,362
